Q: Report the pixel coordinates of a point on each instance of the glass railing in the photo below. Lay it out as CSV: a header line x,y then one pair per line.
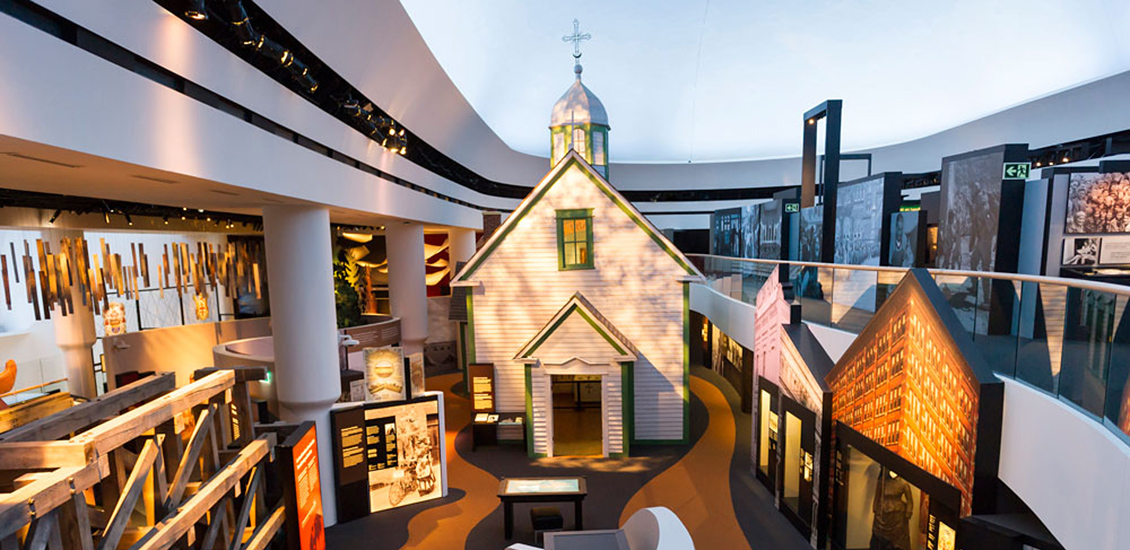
x,y
1068,337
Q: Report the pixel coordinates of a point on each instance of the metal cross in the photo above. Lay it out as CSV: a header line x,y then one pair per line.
x,y
576,38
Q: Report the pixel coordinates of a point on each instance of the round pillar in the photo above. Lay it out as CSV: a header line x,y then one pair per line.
x,y
461,244
74,332
304,325
408,283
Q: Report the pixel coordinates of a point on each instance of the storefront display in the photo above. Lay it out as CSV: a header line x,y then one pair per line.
x,y
388,455
914,383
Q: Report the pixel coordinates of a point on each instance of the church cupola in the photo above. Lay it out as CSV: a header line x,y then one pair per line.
x,y
579,120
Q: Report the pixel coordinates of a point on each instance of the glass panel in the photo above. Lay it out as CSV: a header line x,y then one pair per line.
x,y
853,302
813,288
998,339
885,283
567,230
1118,377
582,253
598,147
1040,335
558,145
570,254
961,293
579,228
1088,328
579,140
763,432
793,458
879,509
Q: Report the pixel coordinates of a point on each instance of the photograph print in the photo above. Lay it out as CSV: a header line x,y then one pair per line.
x,y
811,232
727,232
411,439
1098,203
904,239
859,222
769,239
751,221
1081,251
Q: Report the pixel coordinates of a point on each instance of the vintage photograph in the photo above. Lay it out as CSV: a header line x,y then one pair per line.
x,y
769,239
811,232
727,232
1082,251
904,239
411,443
1098,203
751,224
859,222
384,374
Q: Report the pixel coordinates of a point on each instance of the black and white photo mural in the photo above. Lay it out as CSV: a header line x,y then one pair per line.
x,y
751,225
1098,203
859,221
905,238
727,232
811,232
769,238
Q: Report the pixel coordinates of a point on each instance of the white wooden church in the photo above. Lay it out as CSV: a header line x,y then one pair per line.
x,y
578,287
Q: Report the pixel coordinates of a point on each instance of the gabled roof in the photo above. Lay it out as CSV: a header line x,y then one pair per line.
x,y
811,352
554,175
579,306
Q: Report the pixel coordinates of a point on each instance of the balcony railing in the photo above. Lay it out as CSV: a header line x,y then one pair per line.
x,y
1064,336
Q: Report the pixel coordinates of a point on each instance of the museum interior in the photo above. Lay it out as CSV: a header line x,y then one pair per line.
x,y
296,275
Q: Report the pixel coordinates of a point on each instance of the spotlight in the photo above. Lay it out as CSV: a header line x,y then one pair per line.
x,y
351,106
812,121
55,216
196,10
166,218
106,216
241,24
1065,159
128,219
272,49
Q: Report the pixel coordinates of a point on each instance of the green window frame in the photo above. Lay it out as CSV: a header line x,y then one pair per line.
x,y
574,239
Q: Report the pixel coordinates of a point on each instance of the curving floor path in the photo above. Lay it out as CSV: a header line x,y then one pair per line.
x,y
692,480
701,501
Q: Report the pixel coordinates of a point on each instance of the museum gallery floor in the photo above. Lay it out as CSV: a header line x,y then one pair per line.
x,y
730,512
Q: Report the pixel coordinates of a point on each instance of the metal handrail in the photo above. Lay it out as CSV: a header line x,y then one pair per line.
x,y
1022,277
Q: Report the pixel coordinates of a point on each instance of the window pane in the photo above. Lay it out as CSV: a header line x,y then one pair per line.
x,y
580,228
579,140
582,253
558,145
568,231
570,254
598,148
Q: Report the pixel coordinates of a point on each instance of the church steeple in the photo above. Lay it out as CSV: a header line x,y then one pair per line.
x,y
579,120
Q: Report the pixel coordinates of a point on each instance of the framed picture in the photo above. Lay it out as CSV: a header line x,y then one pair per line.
x,y
1082,251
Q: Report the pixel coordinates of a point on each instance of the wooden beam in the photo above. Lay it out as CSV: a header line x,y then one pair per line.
x,y
33,409
39,497
210,536
190,457
242,374
63,423
44,533
173,527
267,531
38,455
124,508
245,510
116,432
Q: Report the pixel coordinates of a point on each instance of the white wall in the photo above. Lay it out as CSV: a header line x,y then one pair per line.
x,y
1070,470
113,113
733,317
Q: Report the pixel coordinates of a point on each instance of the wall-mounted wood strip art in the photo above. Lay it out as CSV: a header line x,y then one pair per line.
x,y
7,291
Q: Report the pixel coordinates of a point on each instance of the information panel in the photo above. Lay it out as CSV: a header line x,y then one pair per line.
x,y
303,489
482,387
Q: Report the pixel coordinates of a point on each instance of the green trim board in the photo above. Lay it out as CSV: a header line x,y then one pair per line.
x,y
567,219
530,412
686,360
627,403
539,192
471,357
463,354
578,305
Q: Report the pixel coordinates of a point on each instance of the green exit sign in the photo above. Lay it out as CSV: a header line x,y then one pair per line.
x,y
792,207
1017,170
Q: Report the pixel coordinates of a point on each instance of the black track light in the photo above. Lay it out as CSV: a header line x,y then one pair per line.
x,y
128,219
55,216
272,49
241,25
196,10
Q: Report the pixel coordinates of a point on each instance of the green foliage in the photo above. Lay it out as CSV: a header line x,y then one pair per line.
x,y
346,298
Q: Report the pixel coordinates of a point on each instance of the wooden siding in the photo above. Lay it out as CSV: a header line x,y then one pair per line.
x,y
635,284
573,338
613,411
543,403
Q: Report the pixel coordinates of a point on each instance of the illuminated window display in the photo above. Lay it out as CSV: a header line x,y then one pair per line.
x,y
913,383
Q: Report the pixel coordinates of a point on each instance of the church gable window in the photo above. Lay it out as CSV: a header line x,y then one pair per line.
x,y
574,239
579,140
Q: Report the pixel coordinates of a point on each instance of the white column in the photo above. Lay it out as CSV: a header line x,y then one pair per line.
x,y
304,325
74,333
408,283
462,245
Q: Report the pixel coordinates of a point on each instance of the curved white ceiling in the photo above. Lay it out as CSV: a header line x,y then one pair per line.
x,y
702,80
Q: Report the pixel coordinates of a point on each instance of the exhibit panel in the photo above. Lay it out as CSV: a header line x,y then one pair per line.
x,y
727,232
914,382
769,230
863,209
811,232
388,454
751,230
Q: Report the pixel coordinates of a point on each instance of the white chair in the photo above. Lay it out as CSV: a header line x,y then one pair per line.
x,y
657,528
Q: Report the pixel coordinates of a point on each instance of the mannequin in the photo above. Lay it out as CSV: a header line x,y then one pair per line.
x,y
893,507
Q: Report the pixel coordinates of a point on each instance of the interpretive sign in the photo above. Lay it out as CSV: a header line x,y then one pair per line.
x,y
303,490
481,379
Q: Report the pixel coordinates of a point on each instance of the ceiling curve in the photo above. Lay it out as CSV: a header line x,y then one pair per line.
x,y
719,80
